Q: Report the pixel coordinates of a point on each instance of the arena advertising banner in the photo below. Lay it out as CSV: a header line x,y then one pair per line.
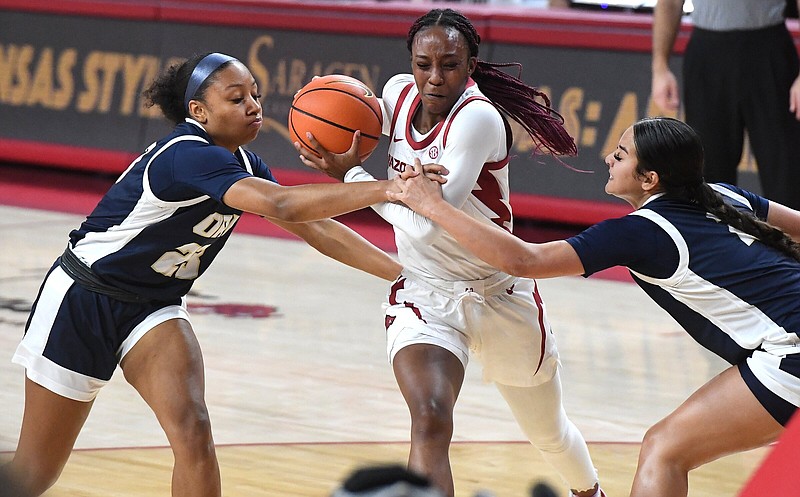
x,y
76,81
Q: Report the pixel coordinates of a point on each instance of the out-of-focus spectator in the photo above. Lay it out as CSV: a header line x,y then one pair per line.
x,y
386,481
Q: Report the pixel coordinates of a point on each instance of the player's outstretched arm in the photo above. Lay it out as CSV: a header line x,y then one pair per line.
x,y
494,245
785,218
304,203
341,243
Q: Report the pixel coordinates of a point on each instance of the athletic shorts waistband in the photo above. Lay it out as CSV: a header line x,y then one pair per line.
x,y
485,287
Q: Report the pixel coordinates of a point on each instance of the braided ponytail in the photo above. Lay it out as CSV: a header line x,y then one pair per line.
x,y
712,202
522,103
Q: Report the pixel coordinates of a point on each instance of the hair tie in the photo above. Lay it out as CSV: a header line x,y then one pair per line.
x,y
201,72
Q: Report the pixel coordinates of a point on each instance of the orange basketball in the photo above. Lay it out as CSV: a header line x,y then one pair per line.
x,y
332,108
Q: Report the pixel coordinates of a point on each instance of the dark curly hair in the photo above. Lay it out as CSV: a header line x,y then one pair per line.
x,y
673,149
508,93
168,89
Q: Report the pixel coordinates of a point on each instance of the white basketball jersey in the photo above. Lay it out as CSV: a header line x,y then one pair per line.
x,y
472,142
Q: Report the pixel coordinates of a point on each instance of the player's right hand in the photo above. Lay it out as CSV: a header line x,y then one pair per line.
x,y
334,165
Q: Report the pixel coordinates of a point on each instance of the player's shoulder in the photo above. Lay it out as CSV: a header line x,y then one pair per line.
x,y
399,79
187,148
476,110
256,164
191,136
478,104
250,156
185,137
474,99
742,199
395,86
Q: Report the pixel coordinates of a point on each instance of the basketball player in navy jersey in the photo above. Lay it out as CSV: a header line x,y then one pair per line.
x,y
448,304
704,253
116,295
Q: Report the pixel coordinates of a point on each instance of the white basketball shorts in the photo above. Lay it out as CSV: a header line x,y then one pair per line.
x,y
501,320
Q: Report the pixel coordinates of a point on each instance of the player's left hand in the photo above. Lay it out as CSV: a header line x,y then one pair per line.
x,y
418,192
434,172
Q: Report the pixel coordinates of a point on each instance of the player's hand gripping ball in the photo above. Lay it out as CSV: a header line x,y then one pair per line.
x,y
332,108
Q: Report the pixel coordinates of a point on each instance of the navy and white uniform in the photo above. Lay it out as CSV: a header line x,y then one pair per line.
x,y
446,296
155,231
734,295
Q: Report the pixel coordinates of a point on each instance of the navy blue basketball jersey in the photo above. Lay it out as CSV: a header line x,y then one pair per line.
x,y
731,293
162,223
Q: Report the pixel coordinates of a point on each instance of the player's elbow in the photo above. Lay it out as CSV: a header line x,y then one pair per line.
x,y
288,212
287,207
514,265
518,260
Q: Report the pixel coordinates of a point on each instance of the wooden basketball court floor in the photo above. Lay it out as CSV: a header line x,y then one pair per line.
x,y
300,392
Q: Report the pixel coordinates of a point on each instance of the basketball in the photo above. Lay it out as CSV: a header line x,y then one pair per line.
x,y
332,108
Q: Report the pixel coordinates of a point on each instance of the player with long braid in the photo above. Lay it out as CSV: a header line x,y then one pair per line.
x,y
448,304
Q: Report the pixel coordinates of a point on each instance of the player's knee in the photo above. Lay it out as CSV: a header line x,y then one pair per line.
x,y
190,434
552,442
552,434
660,446
29,481
34,487
432,421
655,440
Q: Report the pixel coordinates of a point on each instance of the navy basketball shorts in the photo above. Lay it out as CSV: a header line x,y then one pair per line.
x,y
75,338
774,378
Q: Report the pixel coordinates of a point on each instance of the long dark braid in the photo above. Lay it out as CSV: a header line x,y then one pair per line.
x,y
672,149
508,93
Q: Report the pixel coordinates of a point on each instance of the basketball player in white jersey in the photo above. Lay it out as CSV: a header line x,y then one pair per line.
x,y
706,254
449,304
116,295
